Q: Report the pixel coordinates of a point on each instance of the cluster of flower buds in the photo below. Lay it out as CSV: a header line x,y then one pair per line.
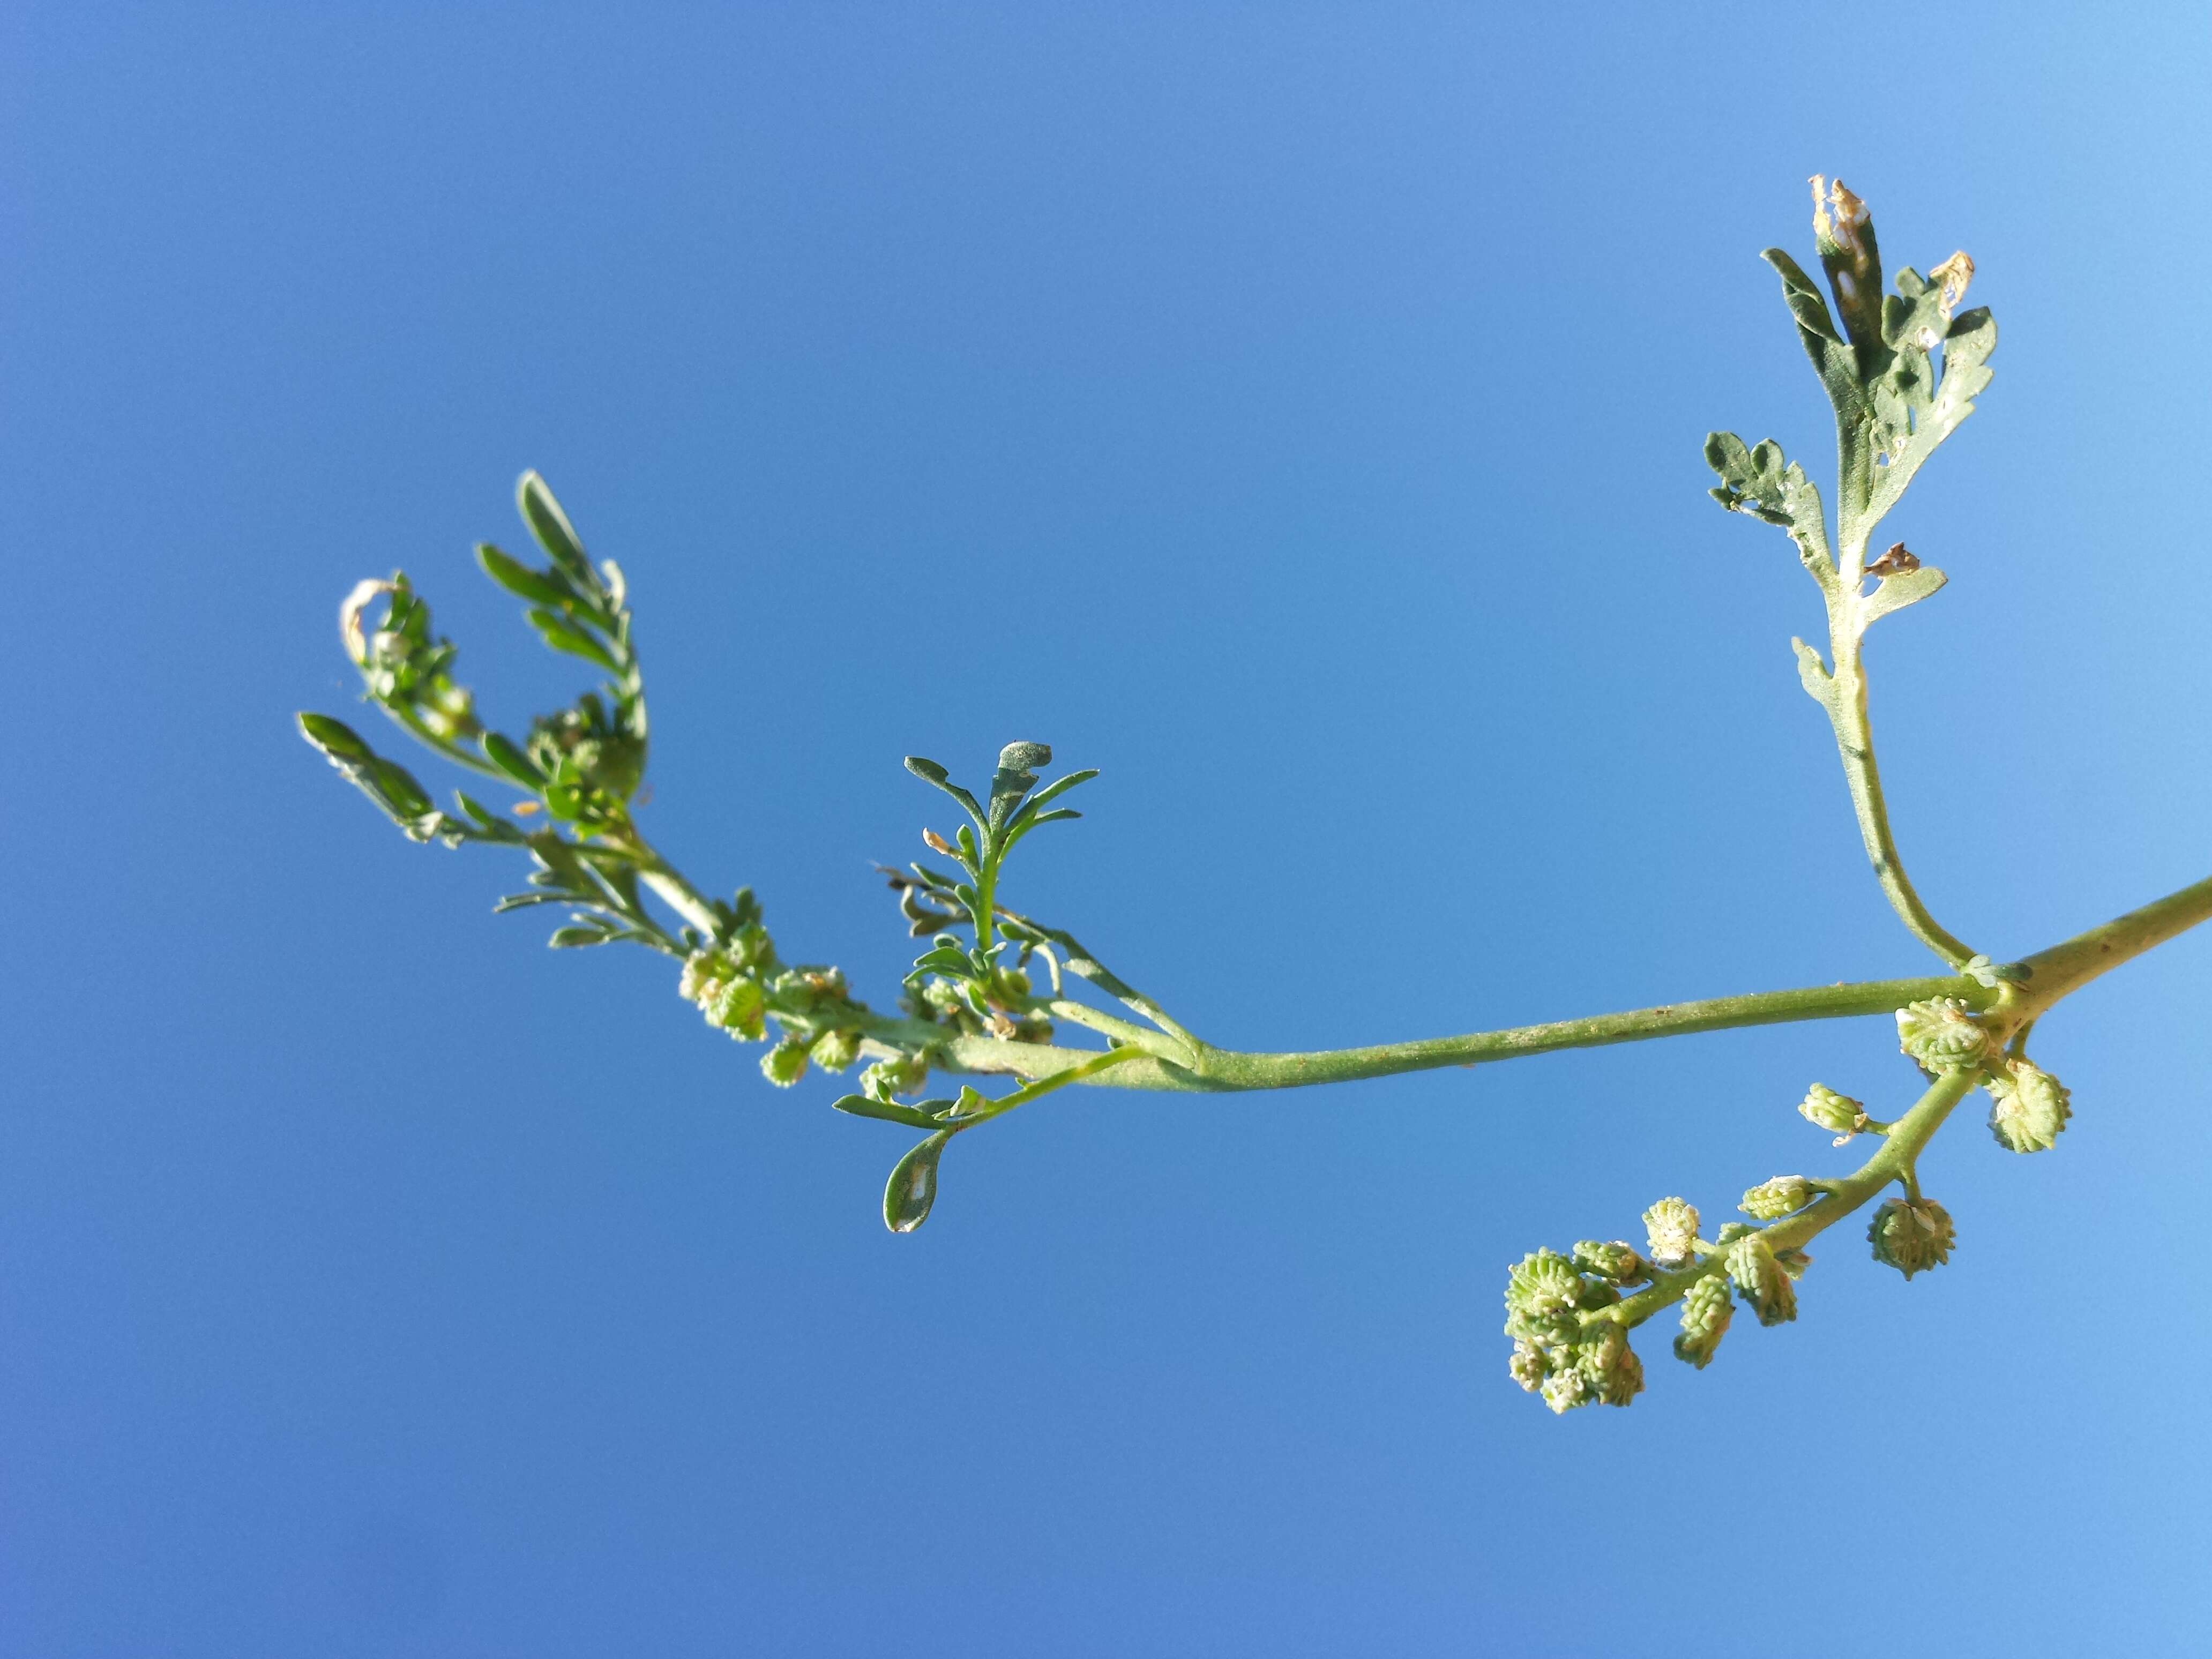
x,y
995,1007
1942,1035
739,986
1556,1352
1671,1228
1911,1234
2028,1106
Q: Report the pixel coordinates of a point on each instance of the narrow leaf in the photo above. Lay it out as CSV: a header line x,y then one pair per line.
x,y
550,526
518,579
888,1110
504,753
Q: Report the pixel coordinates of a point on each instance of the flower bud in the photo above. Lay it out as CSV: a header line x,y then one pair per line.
x,y
1565,1390
1528,1365
786,1063
1617,1262
833,1051
1772,1200
2028,1108
702,971
1911,1234
1672,1227
902,1075
1706,1311
1942,1036
1839,1114
1596,1293
1542,1285
1767,1288
1610,1367
1794,1262
737,1005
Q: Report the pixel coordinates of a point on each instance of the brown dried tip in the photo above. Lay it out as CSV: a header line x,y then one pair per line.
x,y
1837,214
936,843
1955,273
1895,562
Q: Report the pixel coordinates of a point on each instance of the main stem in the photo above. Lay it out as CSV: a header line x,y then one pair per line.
x,y
2036,983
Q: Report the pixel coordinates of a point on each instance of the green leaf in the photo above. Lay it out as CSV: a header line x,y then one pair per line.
x,y
1832,359
1895,592
337,741
931,772
1759,482
550,526
504,753
563,635
1016,776
889,1111
539,587
913,1186
575,939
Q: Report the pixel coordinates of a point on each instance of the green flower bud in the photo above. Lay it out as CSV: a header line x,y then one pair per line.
x,y
1794,1262
833,1051
1706,1311
1672,1226
902,1075
2028,1108
1765,1286
1617,1262
1839,1114
1911,1234
1732,1230
1772,1200
750,947
1565,1390
738,1007
1942,1036
703,970
786,1063
1528,1366
1542,1286
1609,1366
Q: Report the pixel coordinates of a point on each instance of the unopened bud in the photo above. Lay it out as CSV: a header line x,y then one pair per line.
x,y
1542,1284
1617,1262
1772,1200
1565,1390
833,1051
1765,1287
786,1063
902,1075
1528,1366
1610,1367
1911,1234
1706,1310
737,1005
1942,1036
1839,1114
1672,1226
2028,1108
702,971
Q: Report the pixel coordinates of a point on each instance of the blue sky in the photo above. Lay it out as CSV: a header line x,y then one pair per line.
x,y
1294,411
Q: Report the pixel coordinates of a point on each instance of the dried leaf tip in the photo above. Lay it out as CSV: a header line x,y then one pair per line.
x,y
1837,214
1955,273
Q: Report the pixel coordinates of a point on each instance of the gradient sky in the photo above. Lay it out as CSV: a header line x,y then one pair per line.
x,y
1294,411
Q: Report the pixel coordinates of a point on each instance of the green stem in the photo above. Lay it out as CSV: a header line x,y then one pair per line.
x,y
1895,1161
1845,700
1215,1070
2039,981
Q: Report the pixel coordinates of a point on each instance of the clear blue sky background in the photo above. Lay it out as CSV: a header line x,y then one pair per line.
x,y
1294,411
